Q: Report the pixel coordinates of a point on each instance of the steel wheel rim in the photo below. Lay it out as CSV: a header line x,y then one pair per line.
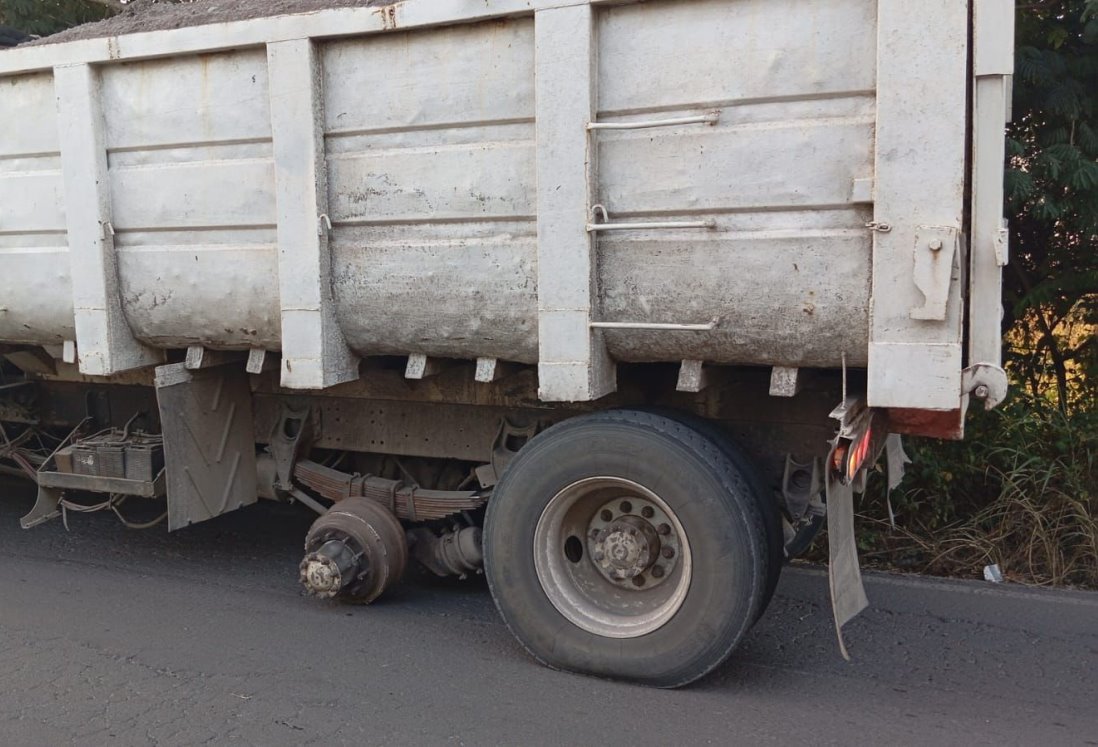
x,y
582,590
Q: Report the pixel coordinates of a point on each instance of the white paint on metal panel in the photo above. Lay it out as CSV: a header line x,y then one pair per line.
x,y
862,190
29,112
32,202
192,184
921,129
693,377
930,369
987,249
661,55
35,282
481,181
816,311
179,196
432,188
36,294
479,73
105,342
199,357
411,14
453,290
430,135
785,382
488,370
993,39
795,163
422,367
159,103
574,365
258,360
314,353
219,295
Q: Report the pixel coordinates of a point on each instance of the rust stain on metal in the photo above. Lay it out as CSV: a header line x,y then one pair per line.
x,y
388,17
947,425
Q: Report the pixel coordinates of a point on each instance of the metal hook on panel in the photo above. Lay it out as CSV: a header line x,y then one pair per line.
x,y
596,210
658,327
108,229
324,226
710,118
606,225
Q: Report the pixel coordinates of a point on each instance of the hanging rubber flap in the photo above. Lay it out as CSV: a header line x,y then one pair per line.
x,y
844,573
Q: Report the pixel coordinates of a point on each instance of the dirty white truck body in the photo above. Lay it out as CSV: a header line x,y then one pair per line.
x,y
422,226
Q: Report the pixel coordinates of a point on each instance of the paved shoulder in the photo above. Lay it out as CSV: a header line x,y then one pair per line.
x,y
115,637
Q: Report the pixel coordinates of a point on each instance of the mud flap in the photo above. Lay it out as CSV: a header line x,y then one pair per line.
x,y
209,441
844,573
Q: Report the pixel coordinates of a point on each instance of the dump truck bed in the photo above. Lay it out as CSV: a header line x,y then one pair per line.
x,y
739,182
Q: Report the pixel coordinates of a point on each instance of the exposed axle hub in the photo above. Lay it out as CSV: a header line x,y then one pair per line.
x,y
355,551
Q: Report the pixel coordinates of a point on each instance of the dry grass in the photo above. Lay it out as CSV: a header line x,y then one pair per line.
x,y
1028,502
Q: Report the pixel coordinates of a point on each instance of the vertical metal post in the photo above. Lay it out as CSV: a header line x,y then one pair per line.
x,y
105,342
574,365
993,66
315,354
922,82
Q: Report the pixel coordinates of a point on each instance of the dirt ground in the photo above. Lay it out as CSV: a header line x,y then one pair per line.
x,y
158,15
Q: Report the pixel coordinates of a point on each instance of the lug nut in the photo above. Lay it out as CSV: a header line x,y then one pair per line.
x,y
638,581
664,529
657,571
647,512
668,552
626,507
606,515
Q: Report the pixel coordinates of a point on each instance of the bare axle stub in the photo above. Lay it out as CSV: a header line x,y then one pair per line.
x,y
354,552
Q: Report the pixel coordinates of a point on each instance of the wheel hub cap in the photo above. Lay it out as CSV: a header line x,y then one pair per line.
x,y
612,557
632,543
626,549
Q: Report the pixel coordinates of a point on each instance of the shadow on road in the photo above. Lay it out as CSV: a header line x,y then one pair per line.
x,y
930,658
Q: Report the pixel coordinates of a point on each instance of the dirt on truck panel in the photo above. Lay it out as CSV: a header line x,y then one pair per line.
x,y
160,15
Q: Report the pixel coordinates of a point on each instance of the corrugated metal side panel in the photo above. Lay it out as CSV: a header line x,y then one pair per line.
x,y
430,146
35,279
787,268
192,188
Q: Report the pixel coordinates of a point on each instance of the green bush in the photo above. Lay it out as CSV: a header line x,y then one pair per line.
x,y
1020,491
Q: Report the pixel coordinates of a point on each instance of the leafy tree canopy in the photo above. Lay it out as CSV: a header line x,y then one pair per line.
x,y
1052,197
42,17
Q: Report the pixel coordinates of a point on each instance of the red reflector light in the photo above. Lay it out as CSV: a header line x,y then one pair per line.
x,y
858,453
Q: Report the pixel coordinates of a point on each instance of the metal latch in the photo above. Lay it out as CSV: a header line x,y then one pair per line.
x,y
936,250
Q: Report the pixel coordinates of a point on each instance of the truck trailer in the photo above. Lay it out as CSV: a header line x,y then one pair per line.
x,y
613,301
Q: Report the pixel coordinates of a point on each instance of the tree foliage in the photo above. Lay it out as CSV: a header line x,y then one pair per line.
x,y
1052,197
43,17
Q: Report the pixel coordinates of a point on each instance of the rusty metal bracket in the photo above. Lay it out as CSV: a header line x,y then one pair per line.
x,y
936,252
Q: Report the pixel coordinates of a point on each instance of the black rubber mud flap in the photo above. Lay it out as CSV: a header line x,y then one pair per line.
x,y
209,441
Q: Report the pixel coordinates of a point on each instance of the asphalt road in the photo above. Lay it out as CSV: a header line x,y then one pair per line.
x,y
109,636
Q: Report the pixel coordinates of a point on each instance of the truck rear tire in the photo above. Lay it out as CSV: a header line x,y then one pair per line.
x,y
627,545
768,507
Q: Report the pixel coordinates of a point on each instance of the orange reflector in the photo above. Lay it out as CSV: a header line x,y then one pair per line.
x,y
858,454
